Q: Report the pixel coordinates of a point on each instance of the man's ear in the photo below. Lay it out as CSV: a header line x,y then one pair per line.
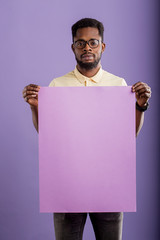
x,y
103,47
73,48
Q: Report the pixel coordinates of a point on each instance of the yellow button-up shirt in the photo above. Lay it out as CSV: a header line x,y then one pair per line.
x,y
76,79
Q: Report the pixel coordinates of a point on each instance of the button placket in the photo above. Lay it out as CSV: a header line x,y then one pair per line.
x,y
85,83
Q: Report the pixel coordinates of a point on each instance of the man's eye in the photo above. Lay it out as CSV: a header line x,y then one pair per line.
x,y
93,43
79,44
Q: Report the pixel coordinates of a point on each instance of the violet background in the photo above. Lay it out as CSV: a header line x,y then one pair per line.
x,y
35,41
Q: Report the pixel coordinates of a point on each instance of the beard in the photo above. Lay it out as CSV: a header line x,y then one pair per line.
x,y
88,65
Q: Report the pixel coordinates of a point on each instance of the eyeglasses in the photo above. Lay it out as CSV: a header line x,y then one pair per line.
x,y
80,44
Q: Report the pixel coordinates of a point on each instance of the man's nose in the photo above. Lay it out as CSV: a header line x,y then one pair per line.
x,y
87,47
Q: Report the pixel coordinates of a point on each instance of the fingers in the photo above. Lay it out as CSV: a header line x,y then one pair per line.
x,y
30,91
29,97
32,87
141,89
139,85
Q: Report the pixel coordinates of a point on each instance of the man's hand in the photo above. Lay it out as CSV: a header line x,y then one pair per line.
x,y
143,93
30,94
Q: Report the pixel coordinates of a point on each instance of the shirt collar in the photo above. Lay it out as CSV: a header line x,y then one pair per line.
x,y
96,78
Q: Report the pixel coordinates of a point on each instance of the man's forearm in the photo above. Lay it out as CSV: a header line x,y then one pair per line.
x,y
139,121
35,117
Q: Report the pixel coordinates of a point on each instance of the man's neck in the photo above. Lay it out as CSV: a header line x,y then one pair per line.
x,y
89,73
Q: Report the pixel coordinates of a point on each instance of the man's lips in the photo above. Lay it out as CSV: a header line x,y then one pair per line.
x,y
87,56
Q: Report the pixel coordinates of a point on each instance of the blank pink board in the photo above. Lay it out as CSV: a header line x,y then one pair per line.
x,y
87,157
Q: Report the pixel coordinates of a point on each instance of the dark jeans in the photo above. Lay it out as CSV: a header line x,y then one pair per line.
x,y
107,226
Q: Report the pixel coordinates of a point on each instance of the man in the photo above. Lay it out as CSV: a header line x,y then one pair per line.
x,y
88,47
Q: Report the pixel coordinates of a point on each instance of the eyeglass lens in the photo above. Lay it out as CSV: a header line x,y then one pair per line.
x,y
93,43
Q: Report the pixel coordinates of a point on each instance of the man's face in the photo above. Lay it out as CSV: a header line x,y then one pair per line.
x,y
88,57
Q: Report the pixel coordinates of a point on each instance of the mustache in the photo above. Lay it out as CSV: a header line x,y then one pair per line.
x,y
87,53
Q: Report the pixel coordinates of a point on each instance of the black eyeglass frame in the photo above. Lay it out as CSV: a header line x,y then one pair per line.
x,y
86,42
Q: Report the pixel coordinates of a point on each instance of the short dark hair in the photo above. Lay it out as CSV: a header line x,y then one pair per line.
x,y
87,22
